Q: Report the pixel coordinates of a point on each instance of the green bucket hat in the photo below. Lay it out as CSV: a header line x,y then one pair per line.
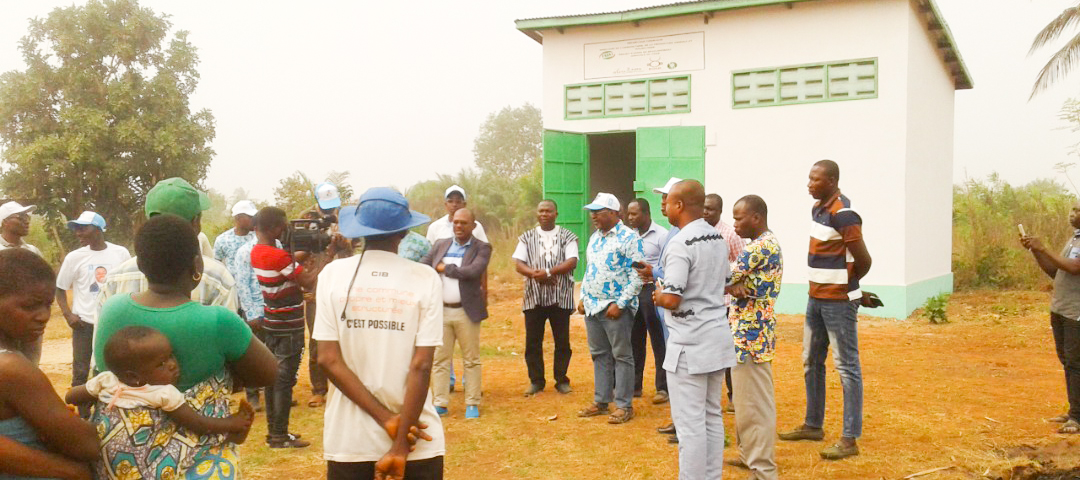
x,y
178,197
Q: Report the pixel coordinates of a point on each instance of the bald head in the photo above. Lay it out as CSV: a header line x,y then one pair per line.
x,y
464,224
686,202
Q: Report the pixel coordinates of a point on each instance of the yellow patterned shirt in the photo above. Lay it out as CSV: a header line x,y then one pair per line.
x,y
760,268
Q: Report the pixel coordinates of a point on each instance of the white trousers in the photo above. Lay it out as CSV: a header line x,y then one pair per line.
x,y
699,421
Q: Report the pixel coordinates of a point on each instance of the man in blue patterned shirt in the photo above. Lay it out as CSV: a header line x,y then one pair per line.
x,y
609,300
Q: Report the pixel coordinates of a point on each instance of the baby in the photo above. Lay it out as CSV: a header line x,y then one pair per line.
x,y
142,373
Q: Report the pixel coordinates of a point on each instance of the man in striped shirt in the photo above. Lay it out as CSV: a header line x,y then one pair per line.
x,y
546,256
838,259
281,278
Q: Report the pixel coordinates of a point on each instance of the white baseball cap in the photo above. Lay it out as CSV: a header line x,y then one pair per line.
x,y
602,201
327,195
11,208
667,187
245,207
455,188
88,218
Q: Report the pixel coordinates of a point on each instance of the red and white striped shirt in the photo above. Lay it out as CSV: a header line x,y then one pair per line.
x,y
277,273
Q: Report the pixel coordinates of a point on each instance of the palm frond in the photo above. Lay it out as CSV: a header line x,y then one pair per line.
x,y
1058,66
1068,19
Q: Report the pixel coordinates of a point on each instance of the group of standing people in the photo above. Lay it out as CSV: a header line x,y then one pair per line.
x,y
167,334
705,293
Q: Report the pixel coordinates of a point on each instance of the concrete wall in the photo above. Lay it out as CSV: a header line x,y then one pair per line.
x,y
768,151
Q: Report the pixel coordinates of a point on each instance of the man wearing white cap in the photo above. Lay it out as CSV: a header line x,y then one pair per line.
x,y
609,300
83,272
227,246
14,225
444,227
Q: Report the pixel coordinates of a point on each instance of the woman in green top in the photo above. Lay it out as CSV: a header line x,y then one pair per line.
x,y
212,345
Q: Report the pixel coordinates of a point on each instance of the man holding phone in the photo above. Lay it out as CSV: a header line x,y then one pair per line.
x,y
609,300
1064,311
646,321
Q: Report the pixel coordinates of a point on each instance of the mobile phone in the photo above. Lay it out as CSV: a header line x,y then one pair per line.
x,y
1020,227
875,301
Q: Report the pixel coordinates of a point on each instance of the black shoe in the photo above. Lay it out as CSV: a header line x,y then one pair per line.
x,y
533,390
286,441
563,388
668,429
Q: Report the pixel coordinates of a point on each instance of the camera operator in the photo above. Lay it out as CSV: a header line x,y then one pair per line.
x,y
281,279
328,202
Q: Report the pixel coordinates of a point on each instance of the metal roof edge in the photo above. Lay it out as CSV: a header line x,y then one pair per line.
x,y
532,26
962,77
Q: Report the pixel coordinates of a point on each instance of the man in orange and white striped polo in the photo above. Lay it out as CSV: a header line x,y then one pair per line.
x,y
838,259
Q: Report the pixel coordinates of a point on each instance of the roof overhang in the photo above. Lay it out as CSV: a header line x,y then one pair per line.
x,y
927,10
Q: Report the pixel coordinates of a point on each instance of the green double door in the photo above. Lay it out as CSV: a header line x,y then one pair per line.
x,y
660,153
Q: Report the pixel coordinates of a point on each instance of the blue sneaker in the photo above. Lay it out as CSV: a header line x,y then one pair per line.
x,y
472,411
442,411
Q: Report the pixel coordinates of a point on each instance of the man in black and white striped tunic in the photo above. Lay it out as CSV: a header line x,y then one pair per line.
x,y
546,257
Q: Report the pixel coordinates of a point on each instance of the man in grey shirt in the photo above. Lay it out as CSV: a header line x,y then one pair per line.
x,y
1064,312
699,344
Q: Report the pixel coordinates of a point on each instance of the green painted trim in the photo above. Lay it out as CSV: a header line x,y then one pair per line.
x,y
639,14
531,27
648,97
827,82
900,301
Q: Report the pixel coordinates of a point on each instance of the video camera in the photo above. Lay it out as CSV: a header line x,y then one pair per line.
x,y
309,234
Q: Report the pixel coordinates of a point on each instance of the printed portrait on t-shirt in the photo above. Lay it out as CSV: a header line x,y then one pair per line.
x,y
100,272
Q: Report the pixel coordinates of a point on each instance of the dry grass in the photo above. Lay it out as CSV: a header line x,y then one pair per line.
x,y
964,394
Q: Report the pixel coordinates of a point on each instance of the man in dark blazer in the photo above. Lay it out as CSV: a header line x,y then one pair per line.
x,y
461,262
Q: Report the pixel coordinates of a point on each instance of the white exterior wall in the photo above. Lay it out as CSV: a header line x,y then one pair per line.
x,y
930,159
868,138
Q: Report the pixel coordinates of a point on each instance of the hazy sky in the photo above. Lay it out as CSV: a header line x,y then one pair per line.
x,y
396,91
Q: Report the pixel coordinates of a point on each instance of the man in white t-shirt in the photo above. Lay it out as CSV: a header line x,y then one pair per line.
x,y
444,227
378,322
83,272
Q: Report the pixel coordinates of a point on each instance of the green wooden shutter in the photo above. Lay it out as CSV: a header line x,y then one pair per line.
x,y
666,152
566,180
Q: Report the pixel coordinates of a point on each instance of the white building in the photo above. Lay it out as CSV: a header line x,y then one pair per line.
x,y
746,95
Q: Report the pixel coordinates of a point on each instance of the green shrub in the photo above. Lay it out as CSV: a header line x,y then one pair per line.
x,y
935,307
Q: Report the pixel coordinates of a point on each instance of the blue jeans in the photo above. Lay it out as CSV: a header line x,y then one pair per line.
x,y
833,322
612,356
288,348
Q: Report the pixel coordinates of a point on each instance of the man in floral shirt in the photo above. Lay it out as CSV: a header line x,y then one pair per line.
x,y
609,300
755,283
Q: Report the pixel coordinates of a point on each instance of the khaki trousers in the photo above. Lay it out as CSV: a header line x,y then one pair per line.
x,y
755,417
457,327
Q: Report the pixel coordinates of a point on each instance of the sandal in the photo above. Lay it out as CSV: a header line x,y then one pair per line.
x,y
621,415
1070,427
317,401
1059,419
594,410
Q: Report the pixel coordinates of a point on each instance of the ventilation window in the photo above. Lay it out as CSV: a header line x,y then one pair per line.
x,y
628,98
846,80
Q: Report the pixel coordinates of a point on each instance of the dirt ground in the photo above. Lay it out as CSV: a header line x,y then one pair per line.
x,y
961,400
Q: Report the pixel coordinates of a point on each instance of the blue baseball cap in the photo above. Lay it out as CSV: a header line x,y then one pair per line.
x,y
327,195
88,218
381,211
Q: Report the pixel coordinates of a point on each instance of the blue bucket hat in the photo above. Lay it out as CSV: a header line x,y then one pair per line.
x,y
381,211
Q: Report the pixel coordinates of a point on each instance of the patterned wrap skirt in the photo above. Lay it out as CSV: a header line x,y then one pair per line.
x,y
144,443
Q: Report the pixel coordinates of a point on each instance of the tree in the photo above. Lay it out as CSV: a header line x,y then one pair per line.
x,y
510,142
294,195
1062,62
101,113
